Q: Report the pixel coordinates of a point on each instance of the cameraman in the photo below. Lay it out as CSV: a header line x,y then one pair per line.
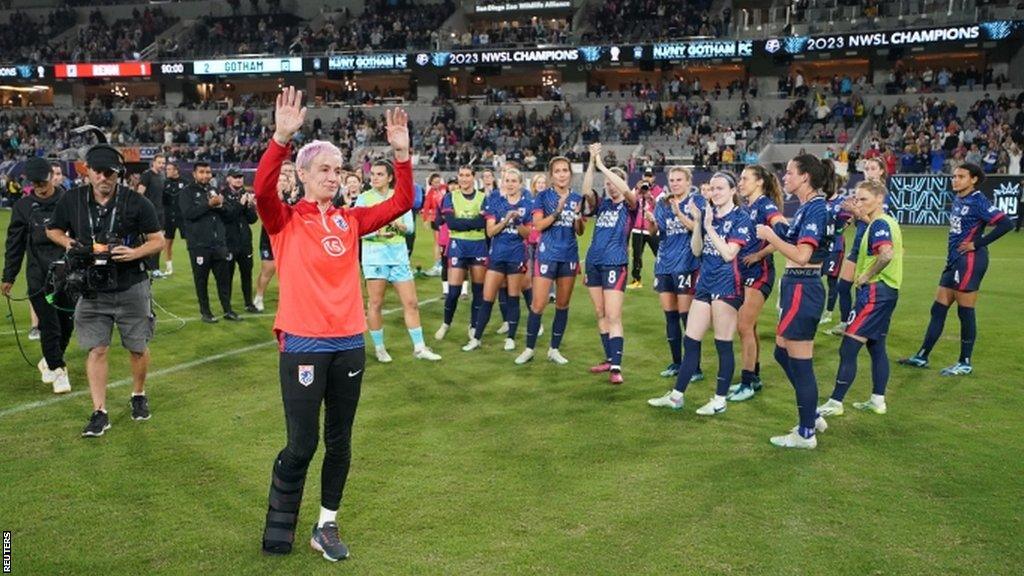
x,y
647,191
203,210
27,233
239,214
113,230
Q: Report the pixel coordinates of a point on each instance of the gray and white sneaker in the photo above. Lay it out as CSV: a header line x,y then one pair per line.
x,y
99,423
326,540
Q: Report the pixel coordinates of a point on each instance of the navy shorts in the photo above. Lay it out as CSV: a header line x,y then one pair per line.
x,y
607,277
507,268
833,265
679,284
873,311
466,262
555,270
965,274
723,284
760,277
803,300
731,299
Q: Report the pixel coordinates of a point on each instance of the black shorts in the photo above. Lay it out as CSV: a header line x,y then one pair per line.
x,y
171,220
266,252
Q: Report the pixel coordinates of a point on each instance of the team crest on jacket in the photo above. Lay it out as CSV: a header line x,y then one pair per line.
x,y
305,374
333,245
340,222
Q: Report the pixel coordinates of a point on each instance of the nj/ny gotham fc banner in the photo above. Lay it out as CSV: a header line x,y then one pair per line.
x,y
925,199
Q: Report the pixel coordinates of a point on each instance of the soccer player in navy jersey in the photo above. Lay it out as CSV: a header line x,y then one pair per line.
x,y
508,216
605,274
966,263
725,230
675,266
805,243
839,207
467,249
762,195
874,171
878,278
556,211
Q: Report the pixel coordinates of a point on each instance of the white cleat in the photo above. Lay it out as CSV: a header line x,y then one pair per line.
x,y
872,406
48,375
382,355
424,353
473,344
714,407
525,356
795,440
510,344
61,384
555,356
257,302
503,329
667,401
441,332
831,408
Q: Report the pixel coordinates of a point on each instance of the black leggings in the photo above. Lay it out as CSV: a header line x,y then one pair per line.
x,y
308,380
55,327
639,240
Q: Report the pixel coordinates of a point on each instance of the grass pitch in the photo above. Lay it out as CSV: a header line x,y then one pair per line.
x,y
476,466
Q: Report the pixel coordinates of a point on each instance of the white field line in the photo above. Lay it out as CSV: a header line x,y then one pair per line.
x,y
163,371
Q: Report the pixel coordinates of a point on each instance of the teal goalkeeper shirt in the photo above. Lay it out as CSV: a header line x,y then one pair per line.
x,y
377,249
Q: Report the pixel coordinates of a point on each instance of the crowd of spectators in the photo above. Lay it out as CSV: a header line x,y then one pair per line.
x,y
252,34
384,25
533,31
123,39
926,135
654,20
26,39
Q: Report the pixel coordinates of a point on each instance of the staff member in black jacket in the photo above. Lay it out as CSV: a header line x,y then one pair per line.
x,y
151,186
27,233
173,185
203,209
239,216
121,228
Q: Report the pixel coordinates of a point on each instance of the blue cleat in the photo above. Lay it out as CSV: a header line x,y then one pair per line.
x,y
916,361
958,369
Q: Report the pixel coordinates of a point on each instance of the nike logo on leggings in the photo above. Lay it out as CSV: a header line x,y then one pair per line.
x,y
354,374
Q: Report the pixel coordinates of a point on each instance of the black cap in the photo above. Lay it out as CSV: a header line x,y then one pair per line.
x,y
235,172
648,171
104,157
37,170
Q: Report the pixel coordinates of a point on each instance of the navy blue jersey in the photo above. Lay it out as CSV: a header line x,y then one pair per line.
x,y
674,253
841,218
967,220
558,241
812,224
723,277
611,232
761,211
507,245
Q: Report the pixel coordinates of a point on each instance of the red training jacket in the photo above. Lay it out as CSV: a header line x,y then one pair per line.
x,y
317,252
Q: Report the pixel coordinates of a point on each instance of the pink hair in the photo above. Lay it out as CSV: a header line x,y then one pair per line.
x,y
304,159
